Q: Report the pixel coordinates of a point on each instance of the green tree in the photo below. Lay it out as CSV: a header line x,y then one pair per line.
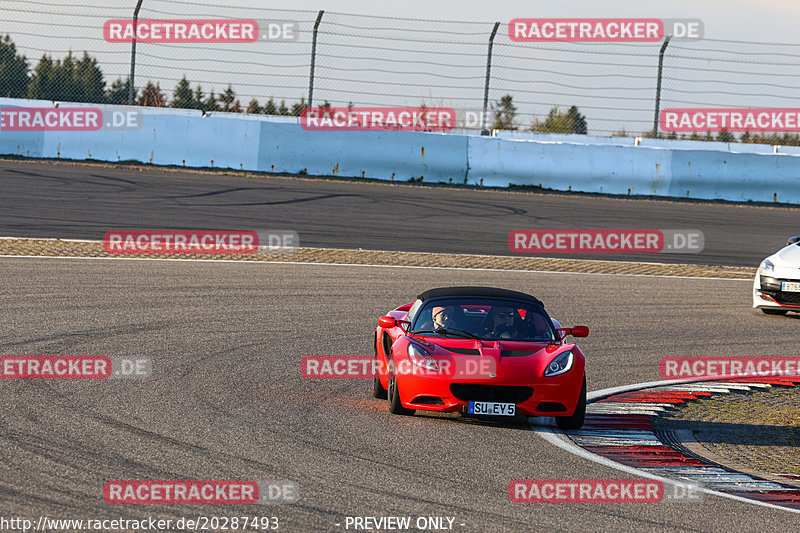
x,y
88,79
43,79
64,85
68,80
578,121
298,107
198,99
253,107
211,103
283,110
726,137
558,122
14,78
183,96
504,113
152,96
118,92
227,98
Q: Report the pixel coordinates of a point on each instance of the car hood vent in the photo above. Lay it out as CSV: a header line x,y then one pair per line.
x,y
462,351
516,353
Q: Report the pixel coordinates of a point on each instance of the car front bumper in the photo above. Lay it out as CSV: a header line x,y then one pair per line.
x,y
767,293
543,396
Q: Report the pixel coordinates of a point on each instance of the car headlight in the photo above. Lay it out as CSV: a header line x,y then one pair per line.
x,y
560,364
767,267
420,357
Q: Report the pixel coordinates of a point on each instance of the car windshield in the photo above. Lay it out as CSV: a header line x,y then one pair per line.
x,y
484,318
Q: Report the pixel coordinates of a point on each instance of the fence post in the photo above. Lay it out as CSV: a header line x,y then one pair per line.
x,y
313,59
658,84
488,77
133,53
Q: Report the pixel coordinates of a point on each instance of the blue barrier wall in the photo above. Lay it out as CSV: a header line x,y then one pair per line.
x,y
561,162
566,166
384,155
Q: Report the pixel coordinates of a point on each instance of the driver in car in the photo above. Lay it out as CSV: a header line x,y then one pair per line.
x,y
444,317
503,325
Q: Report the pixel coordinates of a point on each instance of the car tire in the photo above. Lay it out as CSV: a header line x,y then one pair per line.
x,y
377,389
575,420
393,398
774,311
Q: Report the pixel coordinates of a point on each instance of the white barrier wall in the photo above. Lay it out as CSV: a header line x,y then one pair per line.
x,y
562,162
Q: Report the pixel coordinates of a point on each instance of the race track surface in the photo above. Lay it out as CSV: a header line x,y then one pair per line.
x,y
227,400
83,202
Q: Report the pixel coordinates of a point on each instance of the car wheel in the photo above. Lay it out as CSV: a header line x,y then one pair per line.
x,y
377,389
393,397
774,311
575,420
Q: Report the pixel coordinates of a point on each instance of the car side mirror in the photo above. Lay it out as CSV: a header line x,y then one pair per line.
x,y
387,322
575,331
793,240
579,331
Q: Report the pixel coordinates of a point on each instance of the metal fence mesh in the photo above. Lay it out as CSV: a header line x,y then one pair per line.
x,y
381,61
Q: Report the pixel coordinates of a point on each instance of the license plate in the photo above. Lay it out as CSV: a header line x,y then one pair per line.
x,y
491,408
790,286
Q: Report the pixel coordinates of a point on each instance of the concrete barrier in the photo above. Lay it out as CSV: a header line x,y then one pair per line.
x,y
434,157
567,166
165,136
735,176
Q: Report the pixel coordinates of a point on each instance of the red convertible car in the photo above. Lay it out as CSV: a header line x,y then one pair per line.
x,y
481,351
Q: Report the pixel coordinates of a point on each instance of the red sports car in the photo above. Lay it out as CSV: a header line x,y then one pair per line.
x,y
482,351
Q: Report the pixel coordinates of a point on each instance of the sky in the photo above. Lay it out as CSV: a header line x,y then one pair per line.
x,y
384,62
745,20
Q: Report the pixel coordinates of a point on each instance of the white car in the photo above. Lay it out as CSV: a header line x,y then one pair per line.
x,y
776,288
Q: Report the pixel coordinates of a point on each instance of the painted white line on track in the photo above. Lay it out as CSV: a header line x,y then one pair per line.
x,y
559,439
461,269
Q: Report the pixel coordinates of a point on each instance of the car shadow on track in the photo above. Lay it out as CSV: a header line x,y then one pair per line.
x,y
520,422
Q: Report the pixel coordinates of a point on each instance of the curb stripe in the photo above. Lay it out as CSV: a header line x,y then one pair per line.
x,y
618,433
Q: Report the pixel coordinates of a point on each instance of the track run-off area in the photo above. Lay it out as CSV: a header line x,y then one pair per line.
x,y
226,399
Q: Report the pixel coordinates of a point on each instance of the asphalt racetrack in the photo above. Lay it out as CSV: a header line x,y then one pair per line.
x,y
83,202
227,399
